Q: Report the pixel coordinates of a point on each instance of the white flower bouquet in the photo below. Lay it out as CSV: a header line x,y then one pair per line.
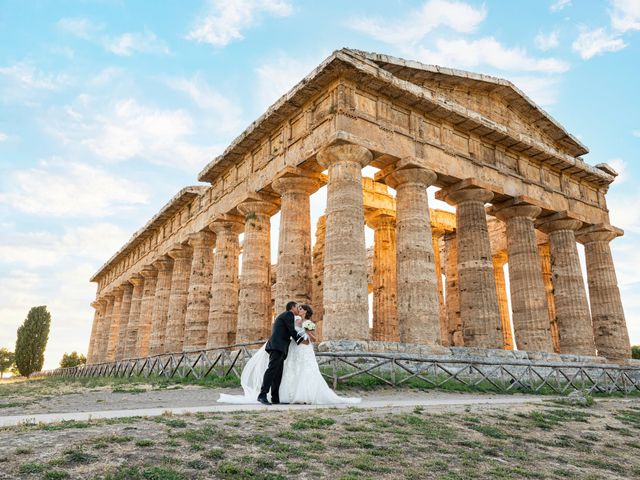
x,y
308,325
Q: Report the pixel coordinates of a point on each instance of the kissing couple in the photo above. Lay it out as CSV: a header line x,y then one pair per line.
x,y
285,369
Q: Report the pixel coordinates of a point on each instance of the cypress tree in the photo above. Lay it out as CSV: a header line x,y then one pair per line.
x,y
32,341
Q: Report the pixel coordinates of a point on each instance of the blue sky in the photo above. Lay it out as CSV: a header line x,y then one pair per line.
x,y
108,108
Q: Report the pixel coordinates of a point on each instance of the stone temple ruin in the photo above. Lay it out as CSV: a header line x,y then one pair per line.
x,y
521,191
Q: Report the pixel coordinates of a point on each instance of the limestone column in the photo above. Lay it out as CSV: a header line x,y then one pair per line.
x,y
105,330
177,310
197,317
114,329
150,275
164,265
572,310
125,309
254,307
607,315
293,277
133,325
345,295
528,296
385,314
317,286
479,310
499,261
452,301
418,308
442,309
98,305
544,250
223,310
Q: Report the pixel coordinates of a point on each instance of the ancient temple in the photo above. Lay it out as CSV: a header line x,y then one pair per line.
x,y
522,193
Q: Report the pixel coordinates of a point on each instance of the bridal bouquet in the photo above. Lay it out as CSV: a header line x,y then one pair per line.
x,y
308,325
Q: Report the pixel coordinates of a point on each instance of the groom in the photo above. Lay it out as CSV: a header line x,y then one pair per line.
x,y
278,346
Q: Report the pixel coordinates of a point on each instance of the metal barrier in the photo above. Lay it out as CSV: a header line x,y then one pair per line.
x,y
393,369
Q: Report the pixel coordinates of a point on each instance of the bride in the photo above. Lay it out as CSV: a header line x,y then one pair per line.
x,y
302,381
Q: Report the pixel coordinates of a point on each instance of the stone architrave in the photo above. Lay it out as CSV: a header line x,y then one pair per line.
x,y
293,277
254,307
133,326
345,295
418,308
317,286
572,309
177,310
452,292
437,240
150,275
385,314
116,321
197,317
223,310
544,249
164,265
528,295
105,330
607,315
499,261
125,310
98,305
479,310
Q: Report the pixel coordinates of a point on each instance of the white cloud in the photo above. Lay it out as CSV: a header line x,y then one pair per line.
x,y
621,215
558,5
542,90
625,15
488,51
80,27
208,98
411,29
226,19
69,189
3,137
636,133
278,75
128,43
125,44
125,129
546,41
23,75
595,42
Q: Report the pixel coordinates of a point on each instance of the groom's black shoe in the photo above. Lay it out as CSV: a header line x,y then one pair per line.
x,y
263,400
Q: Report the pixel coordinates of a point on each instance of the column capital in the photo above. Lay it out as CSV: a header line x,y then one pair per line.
x,y
180,252
296,184
117,291
380,218
249,208
555,225
99,303
163,264
472,194
227,223
505,213
201,239
413,175
601,232
149,271
346,152
136,279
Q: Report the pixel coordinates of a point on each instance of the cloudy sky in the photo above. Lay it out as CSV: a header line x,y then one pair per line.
x,y
108,108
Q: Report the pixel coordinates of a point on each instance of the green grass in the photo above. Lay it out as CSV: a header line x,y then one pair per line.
x,y
26,468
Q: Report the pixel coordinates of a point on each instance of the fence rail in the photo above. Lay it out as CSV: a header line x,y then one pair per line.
x,y
393,369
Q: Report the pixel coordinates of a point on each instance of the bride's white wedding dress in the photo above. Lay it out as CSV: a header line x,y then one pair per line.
x,y
302,381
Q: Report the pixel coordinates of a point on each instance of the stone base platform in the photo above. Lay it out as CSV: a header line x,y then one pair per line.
x,y
470,354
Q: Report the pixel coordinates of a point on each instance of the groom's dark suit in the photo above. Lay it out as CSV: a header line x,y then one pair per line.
x,y
278,346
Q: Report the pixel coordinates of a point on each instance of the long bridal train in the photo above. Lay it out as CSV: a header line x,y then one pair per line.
x,y
302,381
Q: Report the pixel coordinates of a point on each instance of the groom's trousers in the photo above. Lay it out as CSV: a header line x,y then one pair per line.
x,y
273,375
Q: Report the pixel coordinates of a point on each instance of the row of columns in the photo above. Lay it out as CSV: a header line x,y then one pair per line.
x,y
192,298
